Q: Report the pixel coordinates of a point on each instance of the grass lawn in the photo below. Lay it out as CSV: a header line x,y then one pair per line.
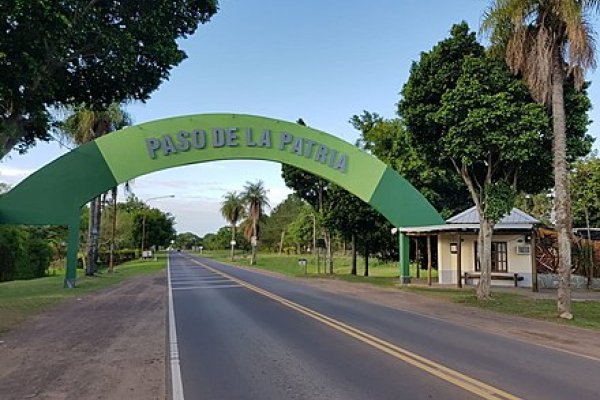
x,y
22,299
384,274
587,313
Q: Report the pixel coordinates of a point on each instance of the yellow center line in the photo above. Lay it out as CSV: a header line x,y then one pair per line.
x,y
447,374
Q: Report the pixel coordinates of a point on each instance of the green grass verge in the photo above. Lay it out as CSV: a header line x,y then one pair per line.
x,y
383,274
587,313
20,300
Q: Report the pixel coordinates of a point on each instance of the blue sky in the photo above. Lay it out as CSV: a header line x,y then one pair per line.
x,y
320,60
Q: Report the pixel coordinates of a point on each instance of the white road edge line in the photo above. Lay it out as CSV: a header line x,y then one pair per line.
x,y
176,383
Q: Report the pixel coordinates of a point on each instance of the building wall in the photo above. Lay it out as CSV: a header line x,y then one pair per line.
x,y
447,262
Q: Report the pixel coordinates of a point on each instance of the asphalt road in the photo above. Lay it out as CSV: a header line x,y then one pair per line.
x,y
252,336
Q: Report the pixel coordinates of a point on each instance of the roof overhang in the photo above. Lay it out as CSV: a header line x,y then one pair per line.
x,y
448,228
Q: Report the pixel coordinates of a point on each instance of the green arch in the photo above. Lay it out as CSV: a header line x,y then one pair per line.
x,y
55,193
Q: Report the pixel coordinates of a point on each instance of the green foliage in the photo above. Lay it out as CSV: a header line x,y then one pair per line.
x,y
159,228
392,143
499,200
24,253
352,216
585,192
120,256
187,240
221,240
538,205
492,130
124,233
455,93
232,208
85,124
303,226
436,72
92,52
280,220
307,186
254,196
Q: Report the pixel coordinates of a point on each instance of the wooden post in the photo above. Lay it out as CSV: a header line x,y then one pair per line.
x,y
417,257
429,260
459,262
534,282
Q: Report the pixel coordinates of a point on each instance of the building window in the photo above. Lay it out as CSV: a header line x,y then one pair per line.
x,y
499,257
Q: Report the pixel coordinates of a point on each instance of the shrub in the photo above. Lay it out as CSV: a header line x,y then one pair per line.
x,y
24,253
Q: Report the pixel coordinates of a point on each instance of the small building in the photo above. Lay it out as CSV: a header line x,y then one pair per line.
x,y
513,249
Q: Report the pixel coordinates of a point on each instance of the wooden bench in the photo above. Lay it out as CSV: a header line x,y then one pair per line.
x,y
495,276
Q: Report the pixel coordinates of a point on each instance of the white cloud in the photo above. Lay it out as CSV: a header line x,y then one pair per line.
x,y
197,216
13,175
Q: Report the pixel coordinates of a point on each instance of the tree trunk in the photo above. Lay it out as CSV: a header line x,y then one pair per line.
x,y
561,188
485,258
353,271
590,250
281,242
254,231
329,249
13,130
97,222
232,240
93,232
113,231
366,259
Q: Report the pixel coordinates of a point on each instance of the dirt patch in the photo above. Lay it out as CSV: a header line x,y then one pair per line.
x,y
105,345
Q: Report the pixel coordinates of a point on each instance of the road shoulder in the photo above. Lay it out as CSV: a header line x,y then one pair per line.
x,y
103,345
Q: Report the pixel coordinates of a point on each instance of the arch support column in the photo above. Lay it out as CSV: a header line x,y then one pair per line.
x,y
72,251
404,250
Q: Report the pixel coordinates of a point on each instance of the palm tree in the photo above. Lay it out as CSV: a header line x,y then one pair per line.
x,y
83,126
256,200
232,209
544,41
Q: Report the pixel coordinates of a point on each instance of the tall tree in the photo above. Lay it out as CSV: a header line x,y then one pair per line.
x,y
255,197
83,126
357,221
93,52
493,134
187,240
275,233
232,209
314,191
157,227
545,41
585,193
437,73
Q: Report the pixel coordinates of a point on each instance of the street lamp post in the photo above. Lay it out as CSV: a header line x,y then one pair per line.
x,y
144,219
